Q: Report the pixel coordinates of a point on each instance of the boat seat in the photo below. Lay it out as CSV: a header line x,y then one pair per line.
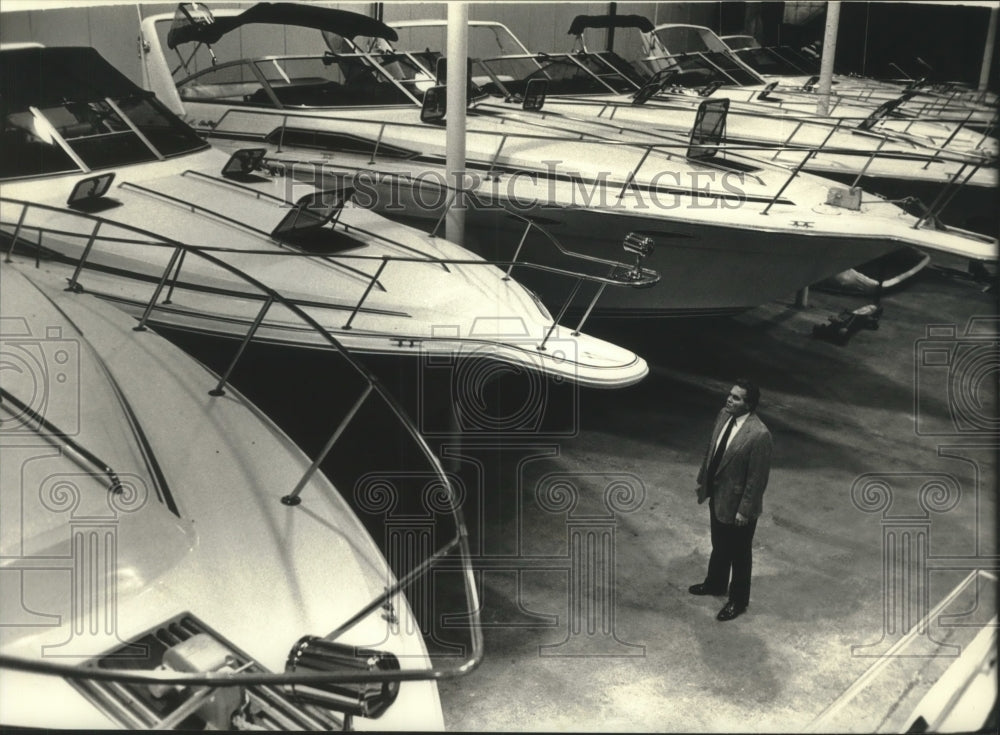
x,y
319,94
229,91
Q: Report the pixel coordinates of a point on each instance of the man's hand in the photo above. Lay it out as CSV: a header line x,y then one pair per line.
x,y
741,520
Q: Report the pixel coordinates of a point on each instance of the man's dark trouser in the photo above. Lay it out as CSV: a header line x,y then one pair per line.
x,y
732,549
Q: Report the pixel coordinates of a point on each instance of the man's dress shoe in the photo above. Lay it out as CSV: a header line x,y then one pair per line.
x,y
701,589
729,612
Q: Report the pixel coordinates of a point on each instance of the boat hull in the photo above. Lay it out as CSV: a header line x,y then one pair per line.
x,y
704,270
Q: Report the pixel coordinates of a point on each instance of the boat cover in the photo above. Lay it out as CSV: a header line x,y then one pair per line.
x,y
50,76
341,22
583,22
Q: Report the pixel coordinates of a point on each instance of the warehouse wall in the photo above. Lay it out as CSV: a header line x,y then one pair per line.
x,y
952,35
114,29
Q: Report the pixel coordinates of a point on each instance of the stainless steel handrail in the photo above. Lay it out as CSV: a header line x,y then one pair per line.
x,y
661,147
797,169
459,542
643,278
944,197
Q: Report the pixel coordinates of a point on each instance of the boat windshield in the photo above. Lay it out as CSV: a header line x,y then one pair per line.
x,y
809,64
632,71
67,110
564,75
330,80
612,69
736,43
766,61
485,40
682,39
700,69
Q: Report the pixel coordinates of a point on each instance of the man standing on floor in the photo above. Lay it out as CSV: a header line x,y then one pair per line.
x,y
733,476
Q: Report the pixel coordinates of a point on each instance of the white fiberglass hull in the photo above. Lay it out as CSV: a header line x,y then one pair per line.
x,y
211,541
712,255
786,140
709,223
376,297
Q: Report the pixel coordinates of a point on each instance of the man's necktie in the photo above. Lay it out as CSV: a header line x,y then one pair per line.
x,y
720,450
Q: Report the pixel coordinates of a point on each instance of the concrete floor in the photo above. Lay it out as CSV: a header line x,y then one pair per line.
x,y
586,533
604,636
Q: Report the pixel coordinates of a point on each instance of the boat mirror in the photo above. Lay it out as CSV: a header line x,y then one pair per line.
x,y
87,194
434,105
243,163
534,95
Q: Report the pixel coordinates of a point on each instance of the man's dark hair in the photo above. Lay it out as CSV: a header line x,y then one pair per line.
x,y
753,392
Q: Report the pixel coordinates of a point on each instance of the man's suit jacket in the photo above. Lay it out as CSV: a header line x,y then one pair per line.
x,y
742,473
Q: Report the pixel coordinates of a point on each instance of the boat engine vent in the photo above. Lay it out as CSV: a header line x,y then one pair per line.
x,y
186,644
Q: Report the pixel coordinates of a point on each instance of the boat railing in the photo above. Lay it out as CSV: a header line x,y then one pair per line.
x,y
948,193
598,124
443,556
798,169
508,136
923,103
665,147
618,273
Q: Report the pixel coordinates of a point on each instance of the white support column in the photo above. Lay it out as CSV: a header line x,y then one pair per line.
x,y
829,53
458,52
991,39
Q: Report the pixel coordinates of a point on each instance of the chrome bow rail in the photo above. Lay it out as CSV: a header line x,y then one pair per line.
x,y
619,274
671,146
444,556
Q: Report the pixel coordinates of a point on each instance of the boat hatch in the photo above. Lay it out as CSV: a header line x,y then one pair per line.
x,y
435,105
885,110
534,95
708,135
242,164
304,225
88,194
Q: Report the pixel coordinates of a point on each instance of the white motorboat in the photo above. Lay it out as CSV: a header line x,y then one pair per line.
x,y
728,233
794,67
847,138
671,43
925,162
99,180
171,559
